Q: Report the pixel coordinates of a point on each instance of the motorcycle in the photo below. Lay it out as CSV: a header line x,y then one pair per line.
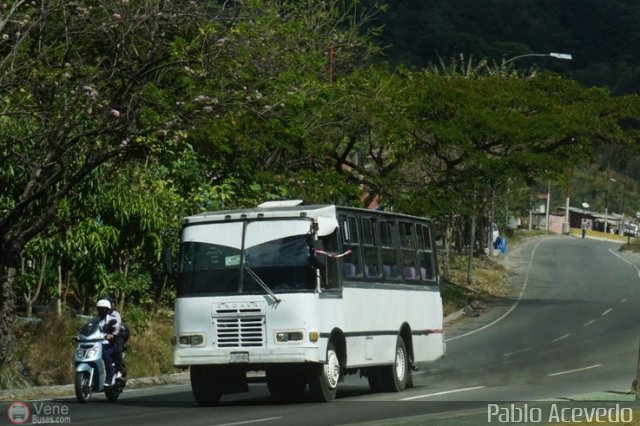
x,y
89,366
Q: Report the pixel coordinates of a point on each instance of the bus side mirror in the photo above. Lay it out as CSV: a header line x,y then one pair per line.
x,y
167,259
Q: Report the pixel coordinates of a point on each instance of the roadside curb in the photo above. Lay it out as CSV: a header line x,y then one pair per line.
x,y
68,390
604,396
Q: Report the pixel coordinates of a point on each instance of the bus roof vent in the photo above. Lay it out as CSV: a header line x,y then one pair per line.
x,y
281,203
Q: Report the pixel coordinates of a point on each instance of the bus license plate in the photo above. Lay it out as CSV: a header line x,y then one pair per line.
x,y
239,357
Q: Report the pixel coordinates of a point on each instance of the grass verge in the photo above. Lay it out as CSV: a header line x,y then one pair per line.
x,y
43,352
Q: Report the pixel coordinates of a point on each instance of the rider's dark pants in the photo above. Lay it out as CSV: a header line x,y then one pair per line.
x,y
108,357
118,348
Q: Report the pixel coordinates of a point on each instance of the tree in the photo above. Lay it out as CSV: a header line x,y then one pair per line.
x,y
83,84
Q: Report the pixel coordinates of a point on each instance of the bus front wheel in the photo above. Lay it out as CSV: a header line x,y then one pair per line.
x,y
204,385
323,378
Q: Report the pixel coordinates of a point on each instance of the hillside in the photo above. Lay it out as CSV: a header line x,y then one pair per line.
x,y
602,36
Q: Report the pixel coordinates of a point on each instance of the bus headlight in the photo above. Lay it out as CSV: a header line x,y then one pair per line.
x,y
191,339
289,336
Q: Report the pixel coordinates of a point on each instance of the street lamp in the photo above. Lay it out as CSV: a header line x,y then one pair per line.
x,y
565,56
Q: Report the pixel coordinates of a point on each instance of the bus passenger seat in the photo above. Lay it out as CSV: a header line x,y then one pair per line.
x,y
410,272
349,270
386,270
371,270
423,273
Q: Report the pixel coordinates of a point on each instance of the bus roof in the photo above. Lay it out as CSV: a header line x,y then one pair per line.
x,y
312,211
285,210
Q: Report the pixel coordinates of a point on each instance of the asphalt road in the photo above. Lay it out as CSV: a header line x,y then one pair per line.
x,y
570,328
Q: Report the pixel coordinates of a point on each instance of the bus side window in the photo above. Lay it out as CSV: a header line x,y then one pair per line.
x,y
350,241
370,250
329,272
425,253
388,252
408,252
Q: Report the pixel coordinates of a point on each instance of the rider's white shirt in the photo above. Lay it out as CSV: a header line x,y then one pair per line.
x,y
113,314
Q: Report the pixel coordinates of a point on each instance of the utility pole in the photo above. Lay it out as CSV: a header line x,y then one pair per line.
x,y
547,209
330,70
491,220
471,247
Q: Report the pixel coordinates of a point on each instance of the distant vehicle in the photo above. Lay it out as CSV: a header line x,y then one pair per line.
x,y
307,294
631,229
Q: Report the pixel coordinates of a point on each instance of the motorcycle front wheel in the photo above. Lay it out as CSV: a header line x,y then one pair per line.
x,y
83,386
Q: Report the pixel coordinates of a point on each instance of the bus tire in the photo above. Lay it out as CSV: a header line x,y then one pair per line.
x,y
323,378
204,385
395,376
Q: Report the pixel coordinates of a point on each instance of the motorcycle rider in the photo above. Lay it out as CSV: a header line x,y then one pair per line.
x,y
110,322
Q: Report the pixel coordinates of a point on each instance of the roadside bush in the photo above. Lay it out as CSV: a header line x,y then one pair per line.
x,y
149,350
44,350
48,358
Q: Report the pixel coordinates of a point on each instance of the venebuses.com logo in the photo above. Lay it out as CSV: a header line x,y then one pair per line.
x,y
47,412
18,413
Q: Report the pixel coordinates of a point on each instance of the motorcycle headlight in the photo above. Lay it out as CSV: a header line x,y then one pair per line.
x,y
92,352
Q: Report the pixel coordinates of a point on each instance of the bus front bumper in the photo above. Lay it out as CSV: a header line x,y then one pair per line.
x,y
183,357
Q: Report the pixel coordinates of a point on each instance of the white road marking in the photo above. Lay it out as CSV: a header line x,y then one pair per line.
x,y
607,311
524,287
623,300
564,336
625,260
575,371
589,323
268,419
516,352
442,393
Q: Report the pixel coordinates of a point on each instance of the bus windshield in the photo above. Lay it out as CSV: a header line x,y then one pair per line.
x,y
276,252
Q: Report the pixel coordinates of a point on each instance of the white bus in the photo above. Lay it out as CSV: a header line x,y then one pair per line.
x,y
305,294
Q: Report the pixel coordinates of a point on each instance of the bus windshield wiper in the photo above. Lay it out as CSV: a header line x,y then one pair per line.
x,y
262,284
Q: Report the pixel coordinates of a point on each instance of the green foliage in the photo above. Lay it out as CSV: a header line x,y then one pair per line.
x,y
137,317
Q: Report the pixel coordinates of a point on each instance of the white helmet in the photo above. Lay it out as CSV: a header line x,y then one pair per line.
x,y
103,303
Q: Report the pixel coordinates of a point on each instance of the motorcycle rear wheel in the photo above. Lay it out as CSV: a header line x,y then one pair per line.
x,y
83,387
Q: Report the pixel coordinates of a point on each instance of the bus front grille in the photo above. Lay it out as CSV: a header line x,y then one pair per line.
x,y
239,332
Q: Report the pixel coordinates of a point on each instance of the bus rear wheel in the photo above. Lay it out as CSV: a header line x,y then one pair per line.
x,y
204,385
323,378
394,377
